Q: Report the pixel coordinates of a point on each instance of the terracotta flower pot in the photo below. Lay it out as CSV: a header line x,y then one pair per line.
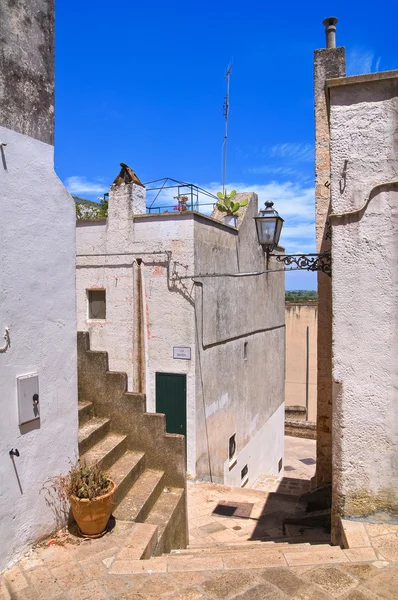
x,y
92,516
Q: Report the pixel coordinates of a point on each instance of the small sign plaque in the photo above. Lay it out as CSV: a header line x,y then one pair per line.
x,y
182,352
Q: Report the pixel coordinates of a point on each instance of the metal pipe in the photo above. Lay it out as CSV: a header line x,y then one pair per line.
x,y
307,370
330,30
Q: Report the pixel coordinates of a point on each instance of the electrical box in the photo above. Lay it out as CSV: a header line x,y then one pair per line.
x,y
28,398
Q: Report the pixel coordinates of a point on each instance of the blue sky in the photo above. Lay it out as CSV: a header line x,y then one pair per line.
x,y
143,83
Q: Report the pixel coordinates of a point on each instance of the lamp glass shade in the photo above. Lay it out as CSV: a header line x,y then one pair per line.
x,y
269,227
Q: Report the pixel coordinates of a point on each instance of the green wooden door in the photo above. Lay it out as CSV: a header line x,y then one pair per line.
x,y
171,399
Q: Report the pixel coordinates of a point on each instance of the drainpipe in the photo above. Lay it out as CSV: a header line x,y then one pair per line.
x,y
138,332
307,370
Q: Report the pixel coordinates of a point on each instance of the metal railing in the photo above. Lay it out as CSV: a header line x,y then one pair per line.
x,y
173,209
163,188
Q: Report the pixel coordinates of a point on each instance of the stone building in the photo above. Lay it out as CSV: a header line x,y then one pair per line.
x,y
357,159
181,303
38,383
301,359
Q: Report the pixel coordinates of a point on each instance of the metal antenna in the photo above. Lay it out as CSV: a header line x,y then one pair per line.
x,y
226,113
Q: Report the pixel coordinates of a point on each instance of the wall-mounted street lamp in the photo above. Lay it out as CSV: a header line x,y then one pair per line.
x,y
269,226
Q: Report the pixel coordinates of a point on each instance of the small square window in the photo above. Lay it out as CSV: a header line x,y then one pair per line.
x,y
96,304
244,472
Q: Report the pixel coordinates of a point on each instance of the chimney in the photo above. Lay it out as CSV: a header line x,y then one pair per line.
x,y
330,30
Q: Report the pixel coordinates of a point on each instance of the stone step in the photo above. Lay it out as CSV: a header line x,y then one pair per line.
x,y
231,546
140,543
107,451
254,558
315,518
85,412
125,472
280,541
91,432
164,514
228,549
139,500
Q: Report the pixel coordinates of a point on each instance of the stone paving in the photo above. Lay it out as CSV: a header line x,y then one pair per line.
x,y
272,498
299,468
230,567
91,570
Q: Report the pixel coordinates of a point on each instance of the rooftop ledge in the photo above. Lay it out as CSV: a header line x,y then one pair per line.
x,y
165,215
368,77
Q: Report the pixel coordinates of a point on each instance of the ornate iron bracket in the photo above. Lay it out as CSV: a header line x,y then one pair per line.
x,y
307,262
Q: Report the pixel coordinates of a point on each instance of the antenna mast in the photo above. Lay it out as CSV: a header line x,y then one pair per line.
x,y
226,113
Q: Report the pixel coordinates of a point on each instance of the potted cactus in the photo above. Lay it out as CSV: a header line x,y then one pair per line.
x,y
229,206
91,495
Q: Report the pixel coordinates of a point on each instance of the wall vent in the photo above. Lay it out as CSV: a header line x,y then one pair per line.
x,y
244,475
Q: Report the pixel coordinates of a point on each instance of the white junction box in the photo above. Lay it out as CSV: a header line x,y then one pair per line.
x,y
28,398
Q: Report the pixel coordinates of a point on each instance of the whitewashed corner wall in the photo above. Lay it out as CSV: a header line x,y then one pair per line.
x,y
37,303
364,153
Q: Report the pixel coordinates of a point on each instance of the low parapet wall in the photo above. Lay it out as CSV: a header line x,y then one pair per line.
x,y
301,429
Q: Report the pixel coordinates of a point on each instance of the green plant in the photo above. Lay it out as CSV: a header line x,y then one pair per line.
x,y
103,208
227,204
301,296
87,209
82,481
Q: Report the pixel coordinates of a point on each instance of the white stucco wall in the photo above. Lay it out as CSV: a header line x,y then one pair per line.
x,y
165,245
364,125
169,309
261,454
37,303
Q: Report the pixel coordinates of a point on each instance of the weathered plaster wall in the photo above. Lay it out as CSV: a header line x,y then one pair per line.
x,y
37,303
27,67
240,353
328,62
364,126
299,316
37,281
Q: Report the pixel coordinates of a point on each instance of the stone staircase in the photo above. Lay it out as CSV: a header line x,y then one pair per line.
x,y
239,555
146,463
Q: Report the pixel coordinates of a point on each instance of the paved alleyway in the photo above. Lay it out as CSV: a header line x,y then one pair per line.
x,y
233,565
93,571
214,518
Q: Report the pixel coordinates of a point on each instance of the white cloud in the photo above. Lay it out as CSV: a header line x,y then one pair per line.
x,y
298,152
269,170
292,200
81,185
360,61
295,204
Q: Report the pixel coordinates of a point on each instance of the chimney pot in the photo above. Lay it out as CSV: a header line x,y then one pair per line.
x,y
330,30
